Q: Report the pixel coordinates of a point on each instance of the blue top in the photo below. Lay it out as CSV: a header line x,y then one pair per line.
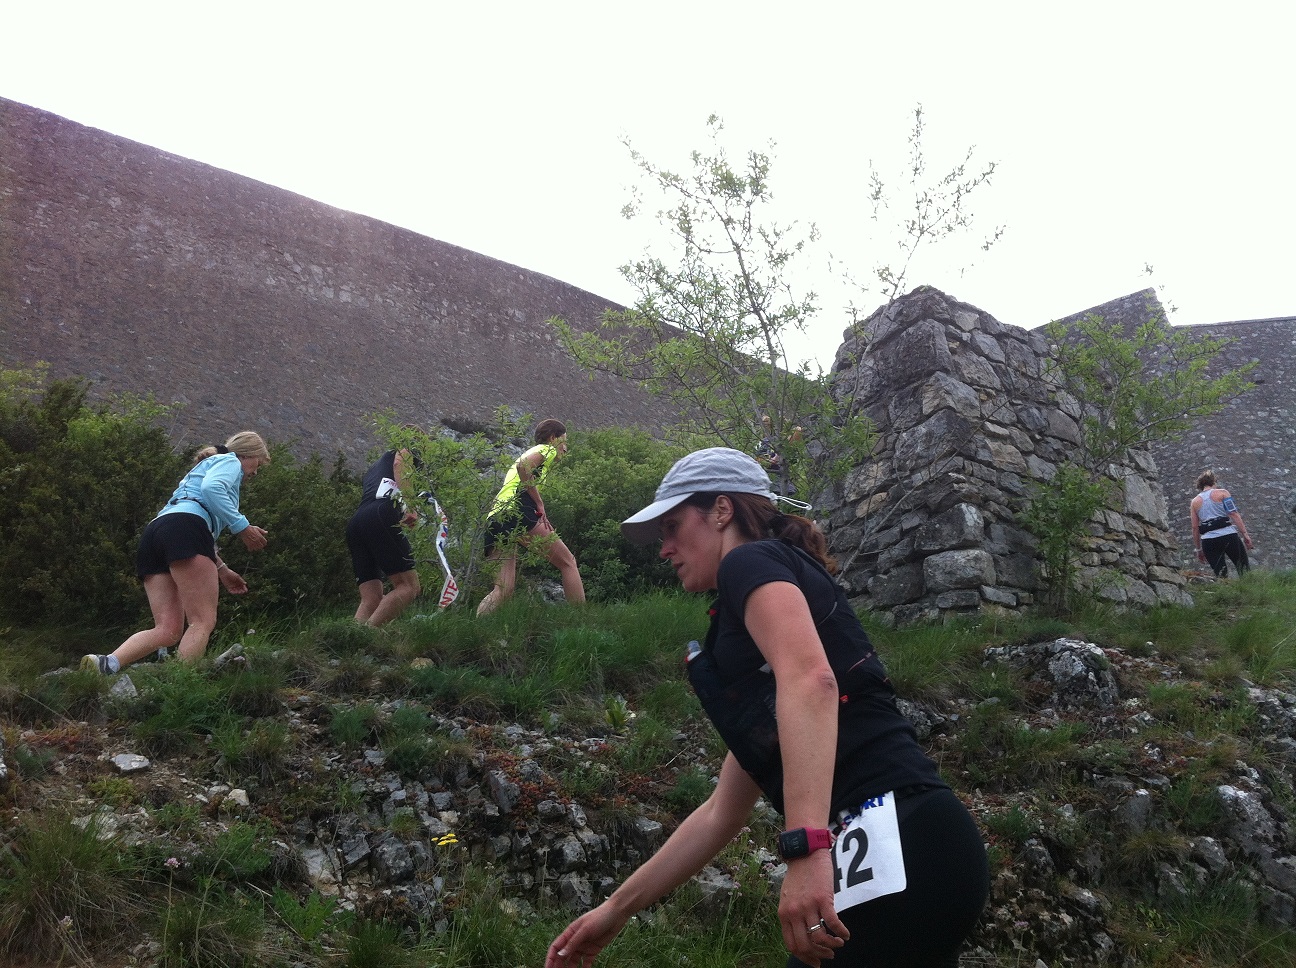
x,y
211,491
1214,513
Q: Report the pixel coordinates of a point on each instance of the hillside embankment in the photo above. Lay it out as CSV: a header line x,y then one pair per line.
x,y
1121,794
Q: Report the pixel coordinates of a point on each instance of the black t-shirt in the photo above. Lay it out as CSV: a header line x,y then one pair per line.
x,y
383,467
389,510
877,748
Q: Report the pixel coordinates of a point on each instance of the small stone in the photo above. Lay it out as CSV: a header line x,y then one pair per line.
x,y
131,762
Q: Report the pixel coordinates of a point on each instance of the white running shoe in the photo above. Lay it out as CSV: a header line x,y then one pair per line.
x,y
96,663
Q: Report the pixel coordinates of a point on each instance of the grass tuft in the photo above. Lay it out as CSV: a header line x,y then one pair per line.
x,y
65,886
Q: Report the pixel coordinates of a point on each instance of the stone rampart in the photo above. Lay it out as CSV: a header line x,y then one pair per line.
x,y
966,424
252,307
1251,444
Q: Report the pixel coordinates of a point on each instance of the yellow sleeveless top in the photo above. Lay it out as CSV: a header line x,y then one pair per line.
x,y
507,497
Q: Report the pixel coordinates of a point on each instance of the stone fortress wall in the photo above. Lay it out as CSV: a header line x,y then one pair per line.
x,y
252,307
1250,445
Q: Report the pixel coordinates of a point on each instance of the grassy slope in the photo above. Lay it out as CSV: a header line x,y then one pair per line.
x,y
599,694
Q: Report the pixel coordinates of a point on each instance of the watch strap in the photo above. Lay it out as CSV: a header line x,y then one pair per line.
x,y
818,838
803,841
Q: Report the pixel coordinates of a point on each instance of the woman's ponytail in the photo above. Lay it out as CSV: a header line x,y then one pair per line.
x,y
758,518
801,532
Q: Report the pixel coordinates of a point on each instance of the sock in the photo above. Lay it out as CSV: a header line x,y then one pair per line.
x,y
113,664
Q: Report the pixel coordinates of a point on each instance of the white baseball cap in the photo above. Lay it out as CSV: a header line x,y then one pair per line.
x,y
710,471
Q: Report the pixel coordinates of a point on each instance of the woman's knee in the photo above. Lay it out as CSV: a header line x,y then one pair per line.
x,y
560,556
171,628
406,583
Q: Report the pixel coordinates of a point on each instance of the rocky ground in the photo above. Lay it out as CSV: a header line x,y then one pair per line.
x,y
1085,799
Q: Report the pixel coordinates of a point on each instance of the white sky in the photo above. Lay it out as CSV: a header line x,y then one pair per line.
x,y
1127,133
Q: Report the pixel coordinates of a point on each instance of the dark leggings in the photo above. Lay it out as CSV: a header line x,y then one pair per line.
x,y
1228,546
948,881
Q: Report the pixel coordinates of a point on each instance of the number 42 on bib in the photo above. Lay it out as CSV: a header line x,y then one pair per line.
x,y
868,861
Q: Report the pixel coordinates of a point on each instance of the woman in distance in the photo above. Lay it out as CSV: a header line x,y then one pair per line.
x,y
885,866
1217,528
517,515
378,545
178,562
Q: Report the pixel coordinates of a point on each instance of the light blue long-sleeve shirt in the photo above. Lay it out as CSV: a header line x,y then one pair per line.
x,y
211,491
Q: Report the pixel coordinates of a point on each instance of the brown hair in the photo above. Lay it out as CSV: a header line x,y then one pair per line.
x,y
1206,479
757,518
547,430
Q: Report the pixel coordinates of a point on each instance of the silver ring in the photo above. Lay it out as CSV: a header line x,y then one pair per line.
x,y
816,927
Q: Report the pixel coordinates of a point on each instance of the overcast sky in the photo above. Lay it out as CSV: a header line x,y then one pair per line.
x,y
1126,134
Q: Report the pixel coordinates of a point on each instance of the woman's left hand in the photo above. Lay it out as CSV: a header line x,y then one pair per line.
x,y
583,939
232,580
806,901
254,538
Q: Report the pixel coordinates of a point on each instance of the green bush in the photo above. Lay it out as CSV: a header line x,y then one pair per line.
x,y
305,563
354,726
691,789
242,853
344,637
376,944
177,708
414,748
77,485
258,752
607,476
464,474
309,918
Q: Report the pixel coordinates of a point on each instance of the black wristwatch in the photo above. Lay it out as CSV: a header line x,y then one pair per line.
x,y
802,842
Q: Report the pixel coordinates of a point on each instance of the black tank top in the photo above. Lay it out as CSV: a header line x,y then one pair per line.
x,y
877,748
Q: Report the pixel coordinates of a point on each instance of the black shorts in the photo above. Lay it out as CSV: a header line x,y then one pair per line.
x,y
173,537
377,542
925,925
507,524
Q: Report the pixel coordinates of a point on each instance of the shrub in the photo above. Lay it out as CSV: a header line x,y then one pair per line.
x,y
376,944
464,474
252,692
650,744
178,707
79,484
414,748
116,791
307,919
243,852
609,475
258,752
691,788
344,637
354,726
77,695
306,563
1014,825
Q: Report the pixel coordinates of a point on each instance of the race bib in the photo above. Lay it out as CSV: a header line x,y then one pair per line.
x,y
868,861
387,487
